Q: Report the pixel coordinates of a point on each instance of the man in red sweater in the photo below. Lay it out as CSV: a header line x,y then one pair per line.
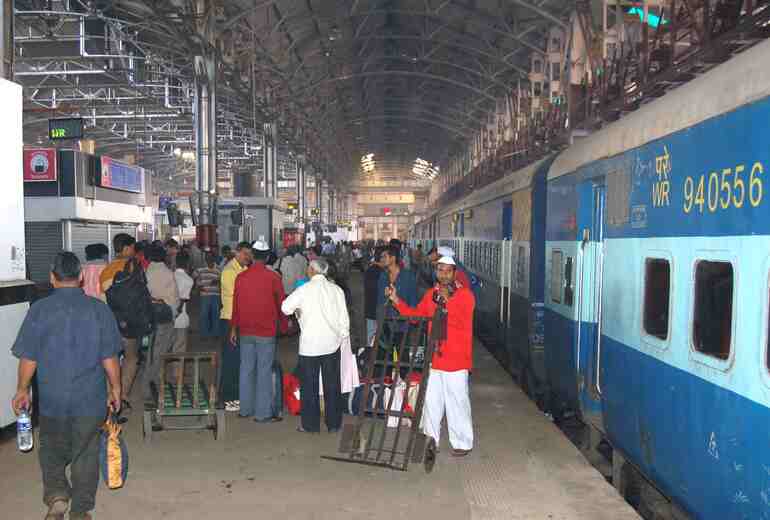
x,y
451,305
256,311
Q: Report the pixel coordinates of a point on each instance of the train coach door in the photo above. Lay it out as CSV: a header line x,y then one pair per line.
x,y
589,338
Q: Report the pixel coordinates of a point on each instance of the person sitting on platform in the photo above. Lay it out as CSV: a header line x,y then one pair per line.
x,y
450,304
324,324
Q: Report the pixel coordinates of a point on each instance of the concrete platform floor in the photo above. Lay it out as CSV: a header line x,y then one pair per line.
x,y
522,467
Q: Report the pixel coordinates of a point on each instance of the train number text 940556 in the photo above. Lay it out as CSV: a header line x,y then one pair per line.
x,y
730,188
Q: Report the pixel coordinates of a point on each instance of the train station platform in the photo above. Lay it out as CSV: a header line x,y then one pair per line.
x,y
522,467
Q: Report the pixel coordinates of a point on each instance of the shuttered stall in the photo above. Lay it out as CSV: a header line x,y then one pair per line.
x,y
43,241
85,233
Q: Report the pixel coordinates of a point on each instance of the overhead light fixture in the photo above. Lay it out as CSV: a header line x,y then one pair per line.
x,y
425,169
367,163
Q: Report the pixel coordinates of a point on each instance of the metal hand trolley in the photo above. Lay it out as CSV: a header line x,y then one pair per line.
x,y
370,439
193,398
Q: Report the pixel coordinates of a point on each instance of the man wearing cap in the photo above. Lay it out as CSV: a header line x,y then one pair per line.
x,y
451,306
460,275
256,312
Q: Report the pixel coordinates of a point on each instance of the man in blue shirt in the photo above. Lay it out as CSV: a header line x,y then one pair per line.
x,y
71,340
405,283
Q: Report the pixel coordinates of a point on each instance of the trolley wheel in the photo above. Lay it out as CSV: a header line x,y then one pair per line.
x,y
220,432
430,455
147,426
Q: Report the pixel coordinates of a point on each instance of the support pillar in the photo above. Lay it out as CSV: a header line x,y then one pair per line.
x,y
203,203
319,197
270,157
332,208
301,193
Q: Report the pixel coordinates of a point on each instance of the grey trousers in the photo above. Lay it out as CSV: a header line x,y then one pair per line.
x,y
164,344
66,441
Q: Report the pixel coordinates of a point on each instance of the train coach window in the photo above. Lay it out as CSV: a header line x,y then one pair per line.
x,y
657,290
569,290
713,313
556,276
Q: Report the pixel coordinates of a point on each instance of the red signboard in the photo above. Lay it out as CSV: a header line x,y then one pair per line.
x,y
39,164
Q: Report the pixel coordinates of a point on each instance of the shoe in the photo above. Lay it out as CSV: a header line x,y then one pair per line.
x,y
300,429
459,453
269,420
236,406
57,508
125,406
333,430
231,407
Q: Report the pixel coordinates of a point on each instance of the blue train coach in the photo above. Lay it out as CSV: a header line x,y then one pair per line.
x,y
657,272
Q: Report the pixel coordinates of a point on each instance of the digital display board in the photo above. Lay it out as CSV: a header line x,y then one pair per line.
x,y
120,176
69,128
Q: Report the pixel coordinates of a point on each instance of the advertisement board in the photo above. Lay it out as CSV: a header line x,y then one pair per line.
x,y
120,176
39,164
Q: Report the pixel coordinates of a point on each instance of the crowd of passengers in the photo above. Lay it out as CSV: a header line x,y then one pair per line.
x,y
248,297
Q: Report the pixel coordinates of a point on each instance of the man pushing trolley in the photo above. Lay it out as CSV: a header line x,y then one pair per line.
x,y
450,305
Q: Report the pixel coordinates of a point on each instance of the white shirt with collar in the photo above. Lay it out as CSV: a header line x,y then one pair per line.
x,y
323,318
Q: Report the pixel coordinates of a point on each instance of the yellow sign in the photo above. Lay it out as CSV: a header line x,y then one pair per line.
x,y
386,198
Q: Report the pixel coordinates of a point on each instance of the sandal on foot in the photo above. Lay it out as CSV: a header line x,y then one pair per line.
x,y
57,508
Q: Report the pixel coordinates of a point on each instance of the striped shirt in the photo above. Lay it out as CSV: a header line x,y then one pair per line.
x,y
207,280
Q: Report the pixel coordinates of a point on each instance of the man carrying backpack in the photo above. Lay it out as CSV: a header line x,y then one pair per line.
x,y
123,246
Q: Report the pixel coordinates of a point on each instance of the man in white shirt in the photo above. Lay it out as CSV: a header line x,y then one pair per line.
x,y
324,321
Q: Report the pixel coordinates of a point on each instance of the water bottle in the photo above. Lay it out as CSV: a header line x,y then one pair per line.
x,y
24,438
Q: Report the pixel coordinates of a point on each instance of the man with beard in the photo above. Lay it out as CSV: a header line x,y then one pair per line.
x,y
450,304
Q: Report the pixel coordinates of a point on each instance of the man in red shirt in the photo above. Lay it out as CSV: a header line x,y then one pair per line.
x,y
256,311
451,305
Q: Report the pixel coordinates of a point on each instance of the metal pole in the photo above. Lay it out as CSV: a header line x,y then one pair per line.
x,y
270,159
301,192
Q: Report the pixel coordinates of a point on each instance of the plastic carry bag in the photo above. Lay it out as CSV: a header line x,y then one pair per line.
x,y
113,454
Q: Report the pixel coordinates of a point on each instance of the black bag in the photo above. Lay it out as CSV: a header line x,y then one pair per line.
x,y
130,301
277,389
162,313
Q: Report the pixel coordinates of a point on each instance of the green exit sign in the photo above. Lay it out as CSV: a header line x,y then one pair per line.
x,y
67,128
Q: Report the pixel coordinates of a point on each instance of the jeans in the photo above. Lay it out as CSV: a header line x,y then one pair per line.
x,y
210,324
70,441
230,368
329,367
256,382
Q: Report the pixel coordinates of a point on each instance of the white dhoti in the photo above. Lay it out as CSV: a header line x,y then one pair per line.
x,y
448,392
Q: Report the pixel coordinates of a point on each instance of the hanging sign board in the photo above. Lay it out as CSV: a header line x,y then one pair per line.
x,y
39,164
65,128
120,176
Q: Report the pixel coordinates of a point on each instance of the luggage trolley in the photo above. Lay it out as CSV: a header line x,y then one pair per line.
x,y
384,434
194,400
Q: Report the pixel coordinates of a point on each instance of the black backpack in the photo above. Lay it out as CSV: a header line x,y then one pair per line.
x,y
130,301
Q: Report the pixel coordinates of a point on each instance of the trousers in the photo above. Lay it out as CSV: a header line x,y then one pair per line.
x,y
309,367
129,366
447,392
210,324
256,376
229,375
70,441
165,336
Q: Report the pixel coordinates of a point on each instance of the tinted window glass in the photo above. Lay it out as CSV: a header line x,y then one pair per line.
x,y
713,313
